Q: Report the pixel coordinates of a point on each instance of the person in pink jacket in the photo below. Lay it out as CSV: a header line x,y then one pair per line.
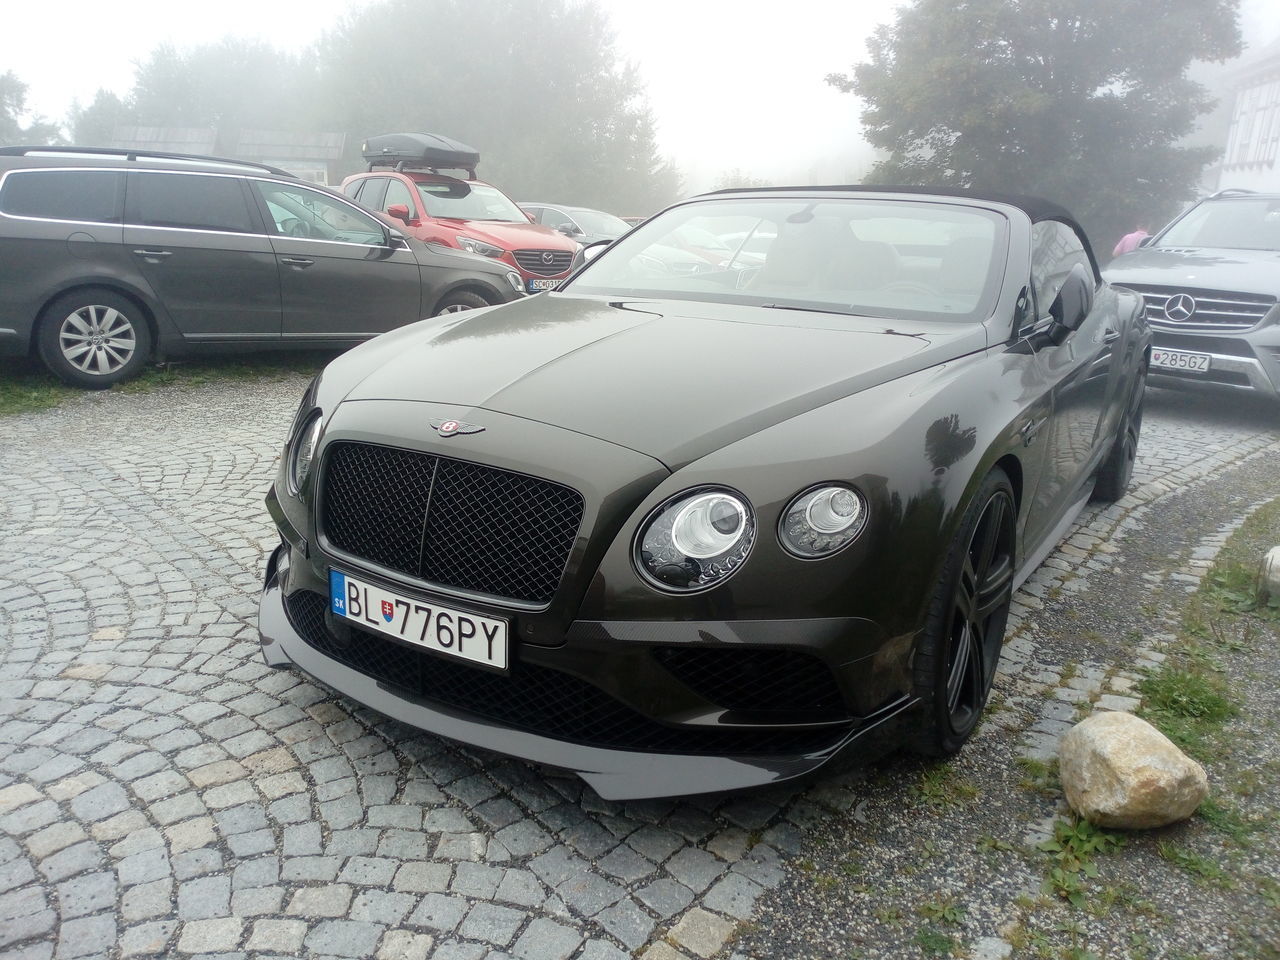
x,y
1130,241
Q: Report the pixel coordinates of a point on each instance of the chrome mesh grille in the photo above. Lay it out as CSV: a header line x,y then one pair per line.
x,y
449,522
545,263
1214,310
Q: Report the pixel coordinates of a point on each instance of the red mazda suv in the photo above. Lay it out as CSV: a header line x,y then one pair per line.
x,y
403,181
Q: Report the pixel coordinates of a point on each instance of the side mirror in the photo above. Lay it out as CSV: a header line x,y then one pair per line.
x,y
1145,241
395,238
400,211
1072,305
569,230
593,250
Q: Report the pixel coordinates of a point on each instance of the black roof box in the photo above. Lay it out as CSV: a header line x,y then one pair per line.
x,y
419,151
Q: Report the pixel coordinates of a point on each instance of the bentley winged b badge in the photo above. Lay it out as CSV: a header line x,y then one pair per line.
x,y
447,428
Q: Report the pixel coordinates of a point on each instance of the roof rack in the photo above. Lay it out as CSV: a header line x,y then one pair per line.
x,y
130,154
1232,192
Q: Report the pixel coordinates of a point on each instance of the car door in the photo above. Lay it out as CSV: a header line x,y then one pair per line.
x,y
1077,369
199,242
341,275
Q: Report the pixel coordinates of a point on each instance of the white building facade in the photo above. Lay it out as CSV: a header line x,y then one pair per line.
x,y
1252,158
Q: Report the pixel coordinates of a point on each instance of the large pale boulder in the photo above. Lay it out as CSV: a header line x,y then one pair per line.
x,y
1269,578
1119,771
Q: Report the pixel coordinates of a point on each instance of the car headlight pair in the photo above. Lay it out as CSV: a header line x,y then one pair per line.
x,y
699,538
472,245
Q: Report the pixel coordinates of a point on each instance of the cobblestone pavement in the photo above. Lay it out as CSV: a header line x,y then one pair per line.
x,y
164,793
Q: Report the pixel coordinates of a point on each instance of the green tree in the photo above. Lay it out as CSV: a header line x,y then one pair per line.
x,y
537,88
737,178
92,126
13,107
231,83
1080,101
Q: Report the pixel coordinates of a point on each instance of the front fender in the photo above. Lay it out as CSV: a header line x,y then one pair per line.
x,y
917,447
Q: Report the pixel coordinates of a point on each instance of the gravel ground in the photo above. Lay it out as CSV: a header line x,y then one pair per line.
x,y
163,793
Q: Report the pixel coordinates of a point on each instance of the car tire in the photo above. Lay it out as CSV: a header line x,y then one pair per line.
x,y
953,673
1117,469
93,338
460,301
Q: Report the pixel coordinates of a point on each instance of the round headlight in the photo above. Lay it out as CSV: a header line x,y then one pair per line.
x,y
695,540
823,520
304,449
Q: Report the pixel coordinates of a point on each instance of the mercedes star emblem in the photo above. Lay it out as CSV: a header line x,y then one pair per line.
x,y
447,428
1180,307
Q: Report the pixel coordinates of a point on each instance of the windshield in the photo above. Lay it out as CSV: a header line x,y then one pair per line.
x,y
483,202
884,258
598,223
1238,223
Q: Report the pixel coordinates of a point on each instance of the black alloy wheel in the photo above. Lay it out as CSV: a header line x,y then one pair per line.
x,y
1117,470
958,654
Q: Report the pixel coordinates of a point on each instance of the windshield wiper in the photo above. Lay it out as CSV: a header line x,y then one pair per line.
x,y
838,313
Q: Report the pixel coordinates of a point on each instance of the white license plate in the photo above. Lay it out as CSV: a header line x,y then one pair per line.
x,y
536,286
481,640
1180,360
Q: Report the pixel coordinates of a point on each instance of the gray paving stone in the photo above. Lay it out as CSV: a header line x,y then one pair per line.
x,y
628,922
376,906
204,897
524,838
80,858
492,923
147,939
85,935
310,868
210,936
589,893
344,938
476,881
331,900
146,900
277,936
696,868
735,895
545,939
422,877
368,871
439,912
665,897
520,887
87,894
257,901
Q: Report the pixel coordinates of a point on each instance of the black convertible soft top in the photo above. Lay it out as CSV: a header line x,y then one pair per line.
x,y
1036,208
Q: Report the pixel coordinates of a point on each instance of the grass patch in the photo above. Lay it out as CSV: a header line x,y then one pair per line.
x,y
1195,864
27,387
1040,776
1072,850
1188,705
935,943
945,910
940,786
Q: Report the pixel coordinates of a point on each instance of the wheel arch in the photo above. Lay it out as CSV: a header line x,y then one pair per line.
x,y
484,291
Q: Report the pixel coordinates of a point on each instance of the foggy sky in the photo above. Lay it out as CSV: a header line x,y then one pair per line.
x,y
732,83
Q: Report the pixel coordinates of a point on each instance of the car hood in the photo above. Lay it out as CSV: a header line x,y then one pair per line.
x,y
515,236
670,379
1206,268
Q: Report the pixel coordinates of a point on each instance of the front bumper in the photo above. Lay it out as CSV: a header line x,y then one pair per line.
x,y
1246,361
588,683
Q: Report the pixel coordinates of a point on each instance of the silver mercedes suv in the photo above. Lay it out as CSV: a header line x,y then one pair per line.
x,y
1211,280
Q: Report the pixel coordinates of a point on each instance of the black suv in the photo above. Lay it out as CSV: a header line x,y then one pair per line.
x,y
1211,280
109,257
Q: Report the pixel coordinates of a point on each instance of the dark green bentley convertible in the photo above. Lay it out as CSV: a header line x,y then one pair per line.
x,y
749,493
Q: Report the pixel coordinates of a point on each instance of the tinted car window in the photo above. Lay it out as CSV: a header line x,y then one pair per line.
x,y
189,201
397,192
308,214
95,196
553,218
1055,250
